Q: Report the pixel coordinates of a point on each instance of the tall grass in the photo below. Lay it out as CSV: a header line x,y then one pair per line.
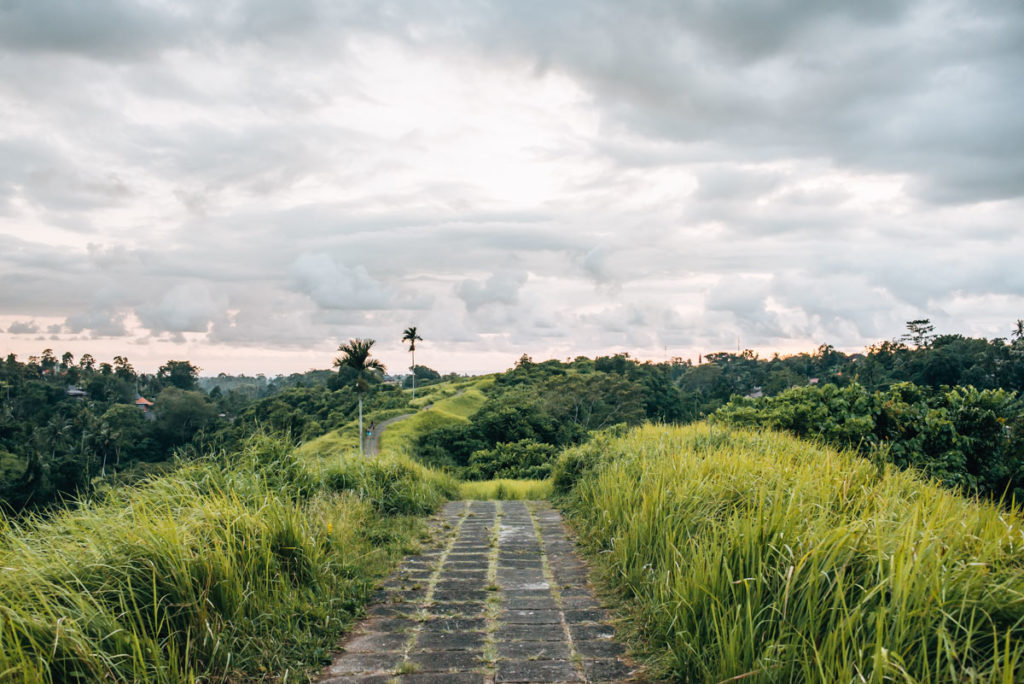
x,y
505,490
244,566
761,558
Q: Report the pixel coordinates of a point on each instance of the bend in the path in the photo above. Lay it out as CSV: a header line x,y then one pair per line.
x,y
502,598
372,443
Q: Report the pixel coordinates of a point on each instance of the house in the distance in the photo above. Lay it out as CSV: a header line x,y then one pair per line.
x,y
146,406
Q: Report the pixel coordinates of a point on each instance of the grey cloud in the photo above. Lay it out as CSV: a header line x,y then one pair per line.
x,y
733,183
595,264
501,287
746,299
109,29
874,85
202,194
100,322
186,307
124,30
334,286
23,328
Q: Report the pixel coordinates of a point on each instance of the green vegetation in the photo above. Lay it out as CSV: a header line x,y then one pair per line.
x,y
237,566
450,404
411,336
526,415
739,555
62,423
526,490
918,357
967,438
756,556
355,358
67,428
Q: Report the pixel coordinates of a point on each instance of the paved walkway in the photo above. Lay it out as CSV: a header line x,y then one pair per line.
x,y
371,444
503,598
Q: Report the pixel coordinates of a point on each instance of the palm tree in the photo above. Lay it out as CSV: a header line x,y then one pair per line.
x,y
355,354
410,336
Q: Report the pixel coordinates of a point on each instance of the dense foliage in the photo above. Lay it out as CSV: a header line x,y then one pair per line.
x,y
762,558
64,423
303,413
558,404
536,408
67,427
235,567
967,438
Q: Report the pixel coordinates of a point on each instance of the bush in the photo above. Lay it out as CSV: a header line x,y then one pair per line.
x,y
962,436
392,485
525,460
574,463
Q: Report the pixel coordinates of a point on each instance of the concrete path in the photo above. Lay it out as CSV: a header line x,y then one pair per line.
x,y
502,598
371,444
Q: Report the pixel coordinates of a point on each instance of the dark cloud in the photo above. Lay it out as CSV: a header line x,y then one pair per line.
x,y
923,88
108,29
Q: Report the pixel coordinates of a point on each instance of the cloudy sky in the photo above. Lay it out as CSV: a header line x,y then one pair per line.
x,y
245,184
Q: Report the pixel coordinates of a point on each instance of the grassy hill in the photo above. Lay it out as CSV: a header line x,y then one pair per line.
x,y
440,404
448,404
755,556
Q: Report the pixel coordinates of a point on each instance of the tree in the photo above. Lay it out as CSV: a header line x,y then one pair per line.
x,y
421,374
355,355
180,414
410,336
123,369
49,361
122,431
1018,330
919,332
180,374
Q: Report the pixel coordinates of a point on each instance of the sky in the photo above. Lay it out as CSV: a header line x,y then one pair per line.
x,y
246,184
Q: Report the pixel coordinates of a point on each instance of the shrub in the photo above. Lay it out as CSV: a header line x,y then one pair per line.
x,y
525,460
962,436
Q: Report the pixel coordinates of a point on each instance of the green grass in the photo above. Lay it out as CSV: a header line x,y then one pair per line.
x,y
432,394
346,438
529,490
464,399
761,558
451,402
243,566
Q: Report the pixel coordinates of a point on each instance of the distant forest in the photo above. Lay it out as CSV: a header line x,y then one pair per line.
x,y
70,428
